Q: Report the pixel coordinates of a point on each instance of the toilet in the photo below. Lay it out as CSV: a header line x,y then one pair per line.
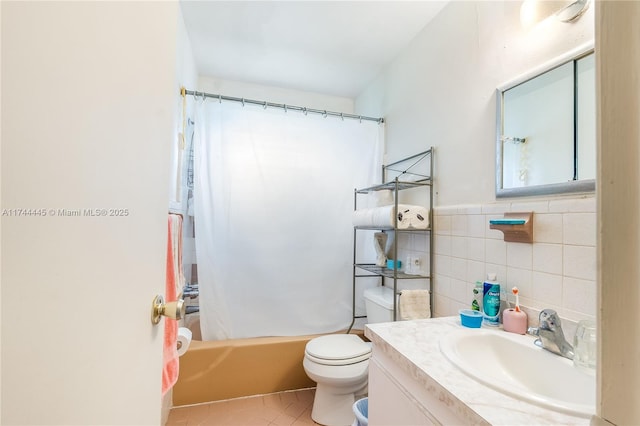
x,y
339,364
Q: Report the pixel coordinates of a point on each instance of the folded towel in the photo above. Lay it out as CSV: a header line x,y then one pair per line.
x,y
414,304
409,217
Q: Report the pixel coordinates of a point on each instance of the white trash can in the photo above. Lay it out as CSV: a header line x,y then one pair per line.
x,y
361,410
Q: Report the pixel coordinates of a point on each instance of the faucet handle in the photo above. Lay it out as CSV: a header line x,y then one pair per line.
x,y
549,320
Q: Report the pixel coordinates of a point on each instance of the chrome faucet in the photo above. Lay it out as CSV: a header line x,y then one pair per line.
x,y
190,291
550,334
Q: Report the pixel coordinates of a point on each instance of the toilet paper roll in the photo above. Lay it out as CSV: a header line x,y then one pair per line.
x,y
184,340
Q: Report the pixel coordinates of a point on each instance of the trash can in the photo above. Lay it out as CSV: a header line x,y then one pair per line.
x,y
361,410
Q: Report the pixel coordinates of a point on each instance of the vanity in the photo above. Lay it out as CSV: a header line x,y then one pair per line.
x,y
413,382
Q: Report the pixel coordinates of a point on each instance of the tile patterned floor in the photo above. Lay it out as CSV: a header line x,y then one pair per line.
x,y
277,409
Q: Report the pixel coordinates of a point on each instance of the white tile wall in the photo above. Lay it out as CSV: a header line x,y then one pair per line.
x,y
558,270
417,245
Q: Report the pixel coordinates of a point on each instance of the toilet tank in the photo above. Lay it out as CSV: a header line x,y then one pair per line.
x,y
378,302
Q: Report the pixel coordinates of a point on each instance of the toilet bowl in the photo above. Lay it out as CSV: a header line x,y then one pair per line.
x,y
339,364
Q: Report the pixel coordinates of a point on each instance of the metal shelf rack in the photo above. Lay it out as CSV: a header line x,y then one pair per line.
x,y
397,184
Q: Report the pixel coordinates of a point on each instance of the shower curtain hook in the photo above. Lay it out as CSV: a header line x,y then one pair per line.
x,y
324,114
360,118
285,108
265,105
219,99
342,116
304,110
243,102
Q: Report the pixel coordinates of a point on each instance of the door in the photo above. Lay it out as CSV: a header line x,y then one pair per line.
x,y
87,121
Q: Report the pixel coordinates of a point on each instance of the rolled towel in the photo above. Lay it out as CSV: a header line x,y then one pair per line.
x,y
414,304
409,217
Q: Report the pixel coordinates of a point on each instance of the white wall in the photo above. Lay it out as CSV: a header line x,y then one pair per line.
x,y
187,77
441,91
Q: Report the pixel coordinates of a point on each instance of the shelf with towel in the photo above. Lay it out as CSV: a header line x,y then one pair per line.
x,y
391,216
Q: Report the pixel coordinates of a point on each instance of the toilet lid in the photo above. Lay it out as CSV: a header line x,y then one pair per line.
x,y
338,347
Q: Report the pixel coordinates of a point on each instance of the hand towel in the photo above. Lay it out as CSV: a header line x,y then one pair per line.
x,y
170,363
176,241
414,304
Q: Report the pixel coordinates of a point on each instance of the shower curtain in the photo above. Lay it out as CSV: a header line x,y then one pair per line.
x,y
273,198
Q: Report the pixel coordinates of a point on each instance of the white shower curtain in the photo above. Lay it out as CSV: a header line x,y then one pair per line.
x,y
273,198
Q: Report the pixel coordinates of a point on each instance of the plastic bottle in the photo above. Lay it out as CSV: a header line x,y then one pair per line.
x,y
476,303
491,300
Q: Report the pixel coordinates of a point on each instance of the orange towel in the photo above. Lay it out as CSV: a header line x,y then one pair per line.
x,y
170,351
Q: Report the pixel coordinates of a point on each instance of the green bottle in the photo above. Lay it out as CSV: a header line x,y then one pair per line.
x,y
477,295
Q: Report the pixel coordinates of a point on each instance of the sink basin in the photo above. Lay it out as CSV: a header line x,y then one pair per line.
x,y
512,364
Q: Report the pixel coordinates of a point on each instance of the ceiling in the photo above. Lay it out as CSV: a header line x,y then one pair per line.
x,y
330,47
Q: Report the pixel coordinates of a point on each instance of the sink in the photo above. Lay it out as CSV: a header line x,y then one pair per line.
x,y
512,364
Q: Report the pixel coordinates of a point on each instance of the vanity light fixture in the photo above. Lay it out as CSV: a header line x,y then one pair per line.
x,y
534,11
573,11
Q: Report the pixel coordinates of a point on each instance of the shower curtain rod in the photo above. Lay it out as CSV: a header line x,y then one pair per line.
x,y
286,107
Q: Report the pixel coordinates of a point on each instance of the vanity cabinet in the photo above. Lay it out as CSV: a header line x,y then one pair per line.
x,y
396,398
412,382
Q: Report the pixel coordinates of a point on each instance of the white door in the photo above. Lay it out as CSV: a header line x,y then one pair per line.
x,y
88,95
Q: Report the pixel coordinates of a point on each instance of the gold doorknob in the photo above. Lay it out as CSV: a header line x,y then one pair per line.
x,y
174,310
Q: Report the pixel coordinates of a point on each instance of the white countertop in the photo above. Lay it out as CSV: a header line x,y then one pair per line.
x,y
414,346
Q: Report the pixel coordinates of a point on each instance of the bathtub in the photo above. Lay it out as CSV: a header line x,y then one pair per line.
x,y
218,370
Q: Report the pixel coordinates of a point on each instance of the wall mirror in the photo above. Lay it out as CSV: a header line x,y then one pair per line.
x,y
546,129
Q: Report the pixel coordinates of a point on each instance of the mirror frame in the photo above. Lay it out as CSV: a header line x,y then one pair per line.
x,y
586,185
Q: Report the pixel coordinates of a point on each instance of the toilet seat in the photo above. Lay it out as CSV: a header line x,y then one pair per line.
x,y
338,349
